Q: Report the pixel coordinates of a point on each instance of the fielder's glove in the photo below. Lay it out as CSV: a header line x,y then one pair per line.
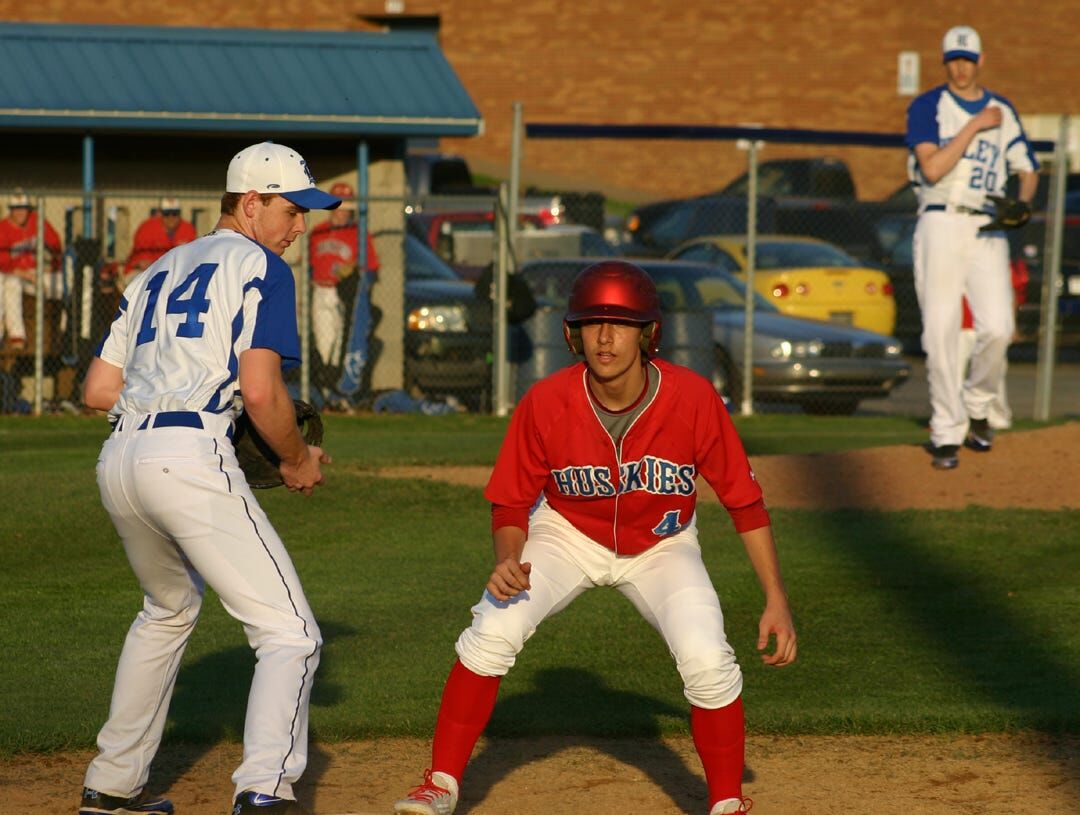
x,y
1008,214
260,463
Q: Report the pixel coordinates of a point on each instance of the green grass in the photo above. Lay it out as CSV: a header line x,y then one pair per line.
x,y
909,622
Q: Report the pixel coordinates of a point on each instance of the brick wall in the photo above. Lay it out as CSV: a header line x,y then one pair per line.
x,y
796,63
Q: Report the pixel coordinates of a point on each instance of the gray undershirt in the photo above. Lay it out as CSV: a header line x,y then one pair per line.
x,y
617,423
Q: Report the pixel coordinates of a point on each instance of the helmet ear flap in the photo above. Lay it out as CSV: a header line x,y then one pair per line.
x,y
572,333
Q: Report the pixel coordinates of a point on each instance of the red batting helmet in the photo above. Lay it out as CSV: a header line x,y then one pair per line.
x,y
614,290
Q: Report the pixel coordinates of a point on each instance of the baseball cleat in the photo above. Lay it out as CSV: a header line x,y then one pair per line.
x,y
258,803
430,798
980,437
731,806
98,803
945,456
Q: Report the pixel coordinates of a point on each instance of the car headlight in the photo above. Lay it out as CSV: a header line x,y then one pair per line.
x,y
437,318
785,349
893,350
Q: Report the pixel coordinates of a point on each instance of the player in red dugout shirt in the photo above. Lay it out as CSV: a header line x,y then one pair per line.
x,y
18,263
157,235
595,485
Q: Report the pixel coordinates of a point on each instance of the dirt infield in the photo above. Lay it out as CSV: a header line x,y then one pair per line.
x,y
1037,469
933,775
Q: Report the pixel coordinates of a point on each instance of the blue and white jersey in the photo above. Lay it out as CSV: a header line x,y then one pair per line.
x,y
992,156
184,322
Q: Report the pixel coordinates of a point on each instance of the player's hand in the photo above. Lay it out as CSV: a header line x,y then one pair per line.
x,y
989,117
776,621
307,475
510,578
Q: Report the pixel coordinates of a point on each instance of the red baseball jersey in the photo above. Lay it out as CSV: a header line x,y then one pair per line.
x,y
631,495
333,247
152,240
18,245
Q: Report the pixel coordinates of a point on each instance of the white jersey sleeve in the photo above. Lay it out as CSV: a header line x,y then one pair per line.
x,y
185,321
936,117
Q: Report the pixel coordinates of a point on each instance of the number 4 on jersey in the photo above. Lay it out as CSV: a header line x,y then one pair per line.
x,y
669,525
192,306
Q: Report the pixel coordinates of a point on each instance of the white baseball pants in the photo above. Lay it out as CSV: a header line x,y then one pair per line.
x,y
186,515
952,260
668,585
328,323
11,307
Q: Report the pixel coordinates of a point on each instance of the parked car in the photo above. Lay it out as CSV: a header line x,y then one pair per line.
x,y
804,277
655,230
824,368
464,239
439,181
448,333
799,178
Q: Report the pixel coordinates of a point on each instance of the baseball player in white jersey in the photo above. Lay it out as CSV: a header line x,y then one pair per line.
x,y
964,142
209,320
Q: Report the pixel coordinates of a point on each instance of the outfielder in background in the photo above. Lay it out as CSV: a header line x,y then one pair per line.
x,y
964,142
595,486
337,287
209,320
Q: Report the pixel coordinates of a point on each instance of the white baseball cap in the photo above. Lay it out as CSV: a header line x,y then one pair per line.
x,y
169,205
274,168
961,41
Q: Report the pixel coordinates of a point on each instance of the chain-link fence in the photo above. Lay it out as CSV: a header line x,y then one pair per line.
x,y
834,325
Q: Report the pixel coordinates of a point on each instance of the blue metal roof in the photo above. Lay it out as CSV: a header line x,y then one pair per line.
x,y
105,78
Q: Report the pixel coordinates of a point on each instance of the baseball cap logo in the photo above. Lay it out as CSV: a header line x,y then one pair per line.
x,y
307,171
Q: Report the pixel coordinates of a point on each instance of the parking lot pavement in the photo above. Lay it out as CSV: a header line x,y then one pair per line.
x,y
912,399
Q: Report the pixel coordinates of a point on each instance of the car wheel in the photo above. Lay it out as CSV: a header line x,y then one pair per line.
x,y
830,406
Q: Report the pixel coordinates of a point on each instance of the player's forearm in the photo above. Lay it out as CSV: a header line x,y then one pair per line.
x,y
269,406
102,385
1029,183
936,162
508,541
761,549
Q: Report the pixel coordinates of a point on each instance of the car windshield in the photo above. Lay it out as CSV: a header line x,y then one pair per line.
x,y
801,255
423,264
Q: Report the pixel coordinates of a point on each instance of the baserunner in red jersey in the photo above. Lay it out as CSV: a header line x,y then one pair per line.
x,y
611,447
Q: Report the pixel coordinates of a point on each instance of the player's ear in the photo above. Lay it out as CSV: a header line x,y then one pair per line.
x,y
250,203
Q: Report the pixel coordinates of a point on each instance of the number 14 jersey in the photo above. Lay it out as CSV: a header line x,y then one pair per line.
x,y
185,320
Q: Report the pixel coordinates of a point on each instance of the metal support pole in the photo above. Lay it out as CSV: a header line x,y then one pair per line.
x,y
515,177
88,185
751,259
39,310
1055,222
501,367
305,316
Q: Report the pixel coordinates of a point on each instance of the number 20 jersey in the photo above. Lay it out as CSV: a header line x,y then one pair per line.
x,y
936,117
184,322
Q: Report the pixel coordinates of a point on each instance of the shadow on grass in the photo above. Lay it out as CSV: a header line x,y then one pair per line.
x,y
210,701
571,694
985,645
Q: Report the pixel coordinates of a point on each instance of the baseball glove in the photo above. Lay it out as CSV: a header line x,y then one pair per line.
x,y
1008,214
260,463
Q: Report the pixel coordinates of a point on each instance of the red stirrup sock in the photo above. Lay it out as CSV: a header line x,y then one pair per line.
x,y
467,702
720,739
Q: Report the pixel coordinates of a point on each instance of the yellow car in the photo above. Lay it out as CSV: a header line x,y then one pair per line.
x,y
804,277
